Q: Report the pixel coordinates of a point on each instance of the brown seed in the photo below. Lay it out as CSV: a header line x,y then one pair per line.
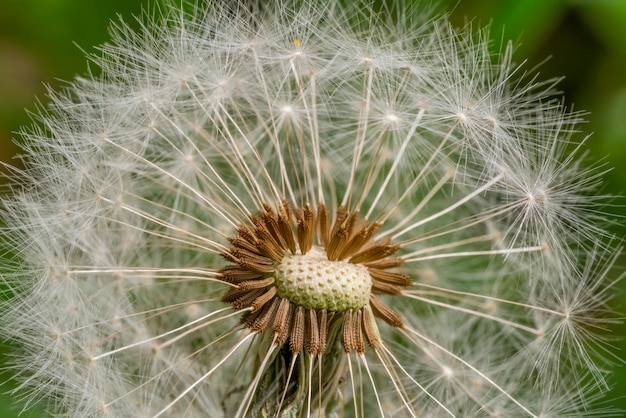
x,y
323,225
256,284
285,229
265,317
240,242
390,277
323,329
296,339
245,301
385,263
361,236
370,328
382,288
347,335
282,321
385,313
312,336
235,274
306,229
376,252
357,331
263,299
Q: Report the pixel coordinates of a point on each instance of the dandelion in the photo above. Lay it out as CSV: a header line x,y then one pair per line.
x,y
311,210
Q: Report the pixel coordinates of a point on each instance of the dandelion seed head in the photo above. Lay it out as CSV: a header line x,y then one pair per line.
x,y
312,209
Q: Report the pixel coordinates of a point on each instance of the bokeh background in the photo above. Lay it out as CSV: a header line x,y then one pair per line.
x,y
42,42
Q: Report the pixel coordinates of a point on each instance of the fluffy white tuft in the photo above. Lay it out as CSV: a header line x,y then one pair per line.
x,y
135,179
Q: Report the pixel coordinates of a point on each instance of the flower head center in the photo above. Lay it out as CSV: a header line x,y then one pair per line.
x,y
314,282
297,273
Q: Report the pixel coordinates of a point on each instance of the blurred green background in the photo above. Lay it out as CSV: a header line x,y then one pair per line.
x,y
42,43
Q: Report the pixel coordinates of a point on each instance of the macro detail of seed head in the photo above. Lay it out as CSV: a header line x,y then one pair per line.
x,y
307,209
284,279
